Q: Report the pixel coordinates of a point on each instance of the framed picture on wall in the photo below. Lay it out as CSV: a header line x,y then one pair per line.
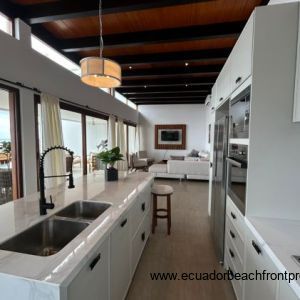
x,y
171,136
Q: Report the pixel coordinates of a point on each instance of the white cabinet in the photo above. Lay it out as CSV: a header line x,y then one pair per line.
x,y
223,84
213,97
296,116
257,260
241,56
120,273
285,292
92,282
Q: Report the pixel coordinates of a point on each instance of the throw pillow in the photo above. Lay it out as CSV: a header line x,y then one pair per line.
x,y
194,153
174,157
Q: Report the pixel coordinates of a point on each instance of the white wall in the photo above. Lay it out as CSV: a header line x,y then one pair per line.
x,y
19,63
193,115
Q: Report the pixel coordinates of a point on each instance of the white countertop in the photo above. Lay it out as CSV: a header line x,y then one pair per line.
x,y
281,240
59,268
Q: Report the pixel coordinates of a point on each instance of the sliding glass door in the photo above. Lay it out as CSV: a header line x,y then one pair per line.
x,y
10,152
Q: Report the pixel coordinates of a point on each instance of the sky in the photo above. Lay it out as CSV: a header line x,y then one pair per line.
x,y
4,126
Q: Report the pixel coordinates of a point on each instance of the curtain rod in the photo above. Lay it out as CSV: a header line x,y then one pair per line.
x,y
19,84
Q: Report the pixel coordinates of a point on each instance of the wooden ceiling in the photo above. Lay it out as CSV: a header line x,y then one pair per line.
x,y
171,51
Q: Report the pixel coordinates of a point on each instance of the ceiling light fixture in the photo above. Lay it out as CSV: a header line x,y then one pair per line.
x,y
186,64
100,72
130,67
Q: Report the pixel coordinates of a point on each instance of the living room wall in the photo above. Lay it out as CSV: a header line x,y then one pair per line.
x,y
193,115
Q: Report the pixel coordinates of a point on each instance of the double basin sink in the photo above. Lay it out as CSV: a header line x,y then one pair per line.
x,y
51,235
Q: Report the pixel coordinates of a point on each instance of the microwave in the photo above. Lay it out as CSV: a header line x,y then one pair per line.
x,y
239,111
237,164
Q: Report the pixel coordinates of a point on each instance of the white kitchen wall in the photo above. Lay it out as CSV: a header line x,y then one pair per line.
x,y
193,115
20,63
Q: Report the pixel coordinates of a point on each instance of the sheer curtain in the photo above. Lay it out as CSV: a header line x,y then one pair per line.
x,y
111,143
52,136
122,165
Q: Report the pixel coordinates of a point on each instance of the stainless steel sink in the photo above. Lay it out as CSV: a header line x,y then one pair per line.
x,y
84,210
46,238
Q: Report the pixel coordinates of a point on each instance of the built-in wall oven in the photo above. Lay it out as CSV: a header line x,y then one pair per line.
x,y
237,174
240,115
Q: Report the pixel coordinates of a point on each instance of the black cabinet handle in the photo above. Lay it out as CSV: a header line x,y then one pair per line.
x,y
143,236
233,215
211,164
143,206
256,247
238,79
213,108
232,234
95,261
231,253
221,99
124,223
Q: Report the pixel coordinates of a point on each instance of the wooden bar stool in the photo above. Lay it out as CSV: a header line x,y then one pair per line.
x,y
162,191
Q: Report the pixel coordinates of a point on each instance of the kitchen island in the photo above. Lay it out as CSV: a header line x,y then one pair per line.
x,y
99,262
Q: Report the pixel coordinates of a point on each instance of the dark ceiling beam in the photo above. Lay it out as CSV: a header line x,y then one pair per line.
x,y
172,71
159,101
174,57
62,10
9,9
165,82
167,97
123,40
156,92
264,2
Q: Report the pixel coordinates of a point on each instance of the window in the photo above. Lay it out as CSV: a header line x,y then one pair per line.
x,y
131,139
54,55
131,104
72,134
5,24
96,137
10,155
120,97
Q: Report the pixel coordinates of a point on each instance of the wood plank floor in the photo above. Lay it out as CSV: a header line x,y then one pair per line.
x,y
189,248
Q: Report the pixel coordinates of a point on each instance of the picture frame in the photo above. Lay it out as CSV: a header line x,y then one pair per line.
x,y
170,136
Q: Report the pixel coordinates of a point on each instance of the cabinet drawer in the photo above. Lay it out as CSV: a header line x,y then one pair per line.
x,y
140,209
233,235
233,256
139,241
235,216
237,285
92,282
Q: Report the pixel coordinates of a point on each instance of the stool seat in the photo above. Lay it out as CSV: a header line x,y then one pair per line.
x,y
162,190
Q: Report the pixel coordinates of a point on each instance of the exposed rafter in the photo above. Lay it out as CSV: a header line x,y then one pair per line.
x,y
169,92
201,32
62,10
172,71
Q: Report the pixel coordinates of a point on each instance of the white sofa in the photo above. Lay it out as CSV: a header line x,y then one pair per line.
x,y
190,169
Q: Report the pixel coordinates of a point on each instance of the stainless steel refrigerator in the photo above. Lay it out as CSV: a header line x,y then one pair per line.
x,y
219,181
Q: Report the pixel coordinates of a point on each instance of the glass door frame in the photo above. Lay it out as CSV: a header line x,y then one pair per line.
x,y
16,140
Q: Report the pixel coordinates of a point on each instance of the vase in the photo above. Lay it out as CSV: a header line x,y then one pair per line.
x,y
111,174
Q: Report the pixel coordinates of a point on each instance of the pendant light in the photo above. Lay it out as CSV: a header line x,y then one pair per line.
x,y
100,72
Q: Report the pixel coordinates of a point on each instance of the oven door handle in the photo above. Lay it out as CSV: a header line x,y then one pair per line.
x,y
234,162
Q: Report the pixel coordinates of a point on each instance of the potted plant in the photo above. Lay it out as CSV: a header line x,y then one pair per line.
x,y
109,158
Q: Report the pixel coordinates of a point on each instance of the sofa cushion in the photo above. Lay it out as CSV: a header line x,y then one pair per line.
x,y
174,157
158,168
188,167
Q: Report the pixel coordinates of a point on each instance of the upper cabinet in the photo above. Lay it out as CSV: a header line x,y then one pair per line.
x,y
296,117
241,56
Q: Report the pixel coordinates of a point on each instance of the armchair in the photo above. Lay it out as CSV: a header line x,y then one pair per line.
x,y
143,155
138,163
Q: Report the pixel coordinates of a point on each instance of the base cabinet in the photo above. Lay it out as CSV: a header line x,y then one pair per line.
x,y
92,282
120,273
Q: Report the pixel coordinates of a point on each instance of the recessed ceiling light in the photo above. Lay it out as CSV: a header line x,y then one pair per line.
x,y
186,85
186,64
145,86
130,67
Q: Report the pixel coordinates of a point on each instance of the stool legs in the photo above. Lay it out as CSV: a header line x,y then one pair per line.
x,y
154,217
169,213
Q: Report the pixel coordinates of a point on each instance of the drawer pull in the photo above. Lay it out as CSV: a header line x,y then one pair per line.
x,y
238,79
256,247
231,253
124,223
233,215
212,108
221,99
232,234
143,206
95,261
143,236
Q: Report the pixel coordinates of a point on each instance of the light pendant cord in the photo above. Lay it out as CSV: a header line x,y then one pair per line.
x,y
101,25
